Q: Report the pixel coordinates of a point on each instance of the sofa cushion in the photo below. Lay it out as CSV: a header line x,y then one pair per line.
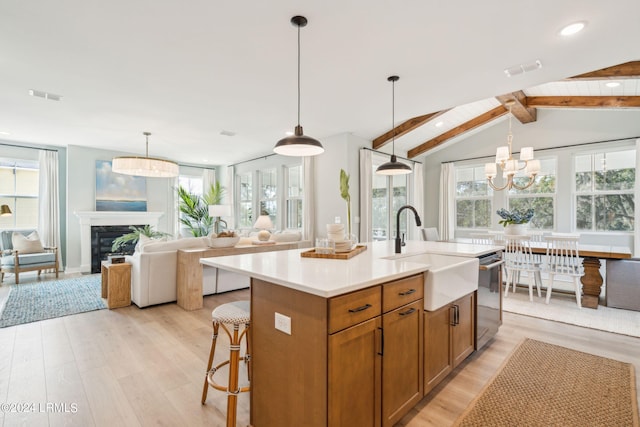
x,y
29,259
174,245
26,244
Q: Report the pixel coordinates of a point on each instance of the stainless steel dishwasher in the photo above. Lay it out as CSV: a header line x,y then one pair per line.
x,y
489,304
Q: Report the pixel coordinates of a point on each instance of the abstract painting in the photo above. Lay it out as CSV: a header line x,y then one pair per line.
x,y
118,192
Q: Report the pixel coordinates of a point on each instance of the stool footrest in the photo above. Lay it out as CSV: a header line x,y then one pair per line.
x,y
217,386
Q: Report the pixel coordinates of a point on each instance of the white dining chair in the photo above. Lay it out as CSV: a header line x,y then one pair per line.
x,y
518,258
482,238
430,234
563,259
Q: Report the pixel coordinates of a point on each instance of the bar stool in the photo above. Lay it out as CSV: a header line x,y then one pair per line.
x,y
235,314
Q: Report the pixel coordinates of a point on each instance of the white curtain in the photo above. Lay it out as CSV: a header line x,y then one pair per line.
x,y
49,205
366,197
418,199
308,201
208,178
447,219
173,209
231,196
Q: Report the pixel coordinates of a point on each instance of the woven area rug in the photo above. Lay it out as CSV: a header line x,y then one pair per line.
x,y
543,384
45,300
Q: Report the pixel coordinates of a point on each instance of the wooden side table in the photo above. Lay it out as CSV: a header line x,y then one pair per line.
x,y
116,284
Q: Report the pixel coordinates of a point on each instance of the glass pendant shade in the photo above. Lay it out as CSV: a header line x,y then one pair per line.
x,y
145,166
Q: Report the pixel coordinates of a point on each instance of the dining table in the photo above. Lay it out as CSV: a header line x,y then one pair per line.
x,y
591,255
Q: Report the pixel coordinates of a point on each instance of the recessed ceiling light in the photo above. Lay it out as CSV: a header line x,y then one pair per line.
x,y
572,29
227,133
439,124
612,84
4,132
288,133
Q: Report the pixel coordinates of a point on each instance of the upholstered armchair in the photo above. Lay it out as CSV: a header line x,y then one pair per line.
x,y
22,251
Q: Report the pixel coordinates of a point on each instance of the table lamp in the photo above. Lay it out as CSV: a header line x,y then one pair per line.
x,y
264,224
217,211
5,210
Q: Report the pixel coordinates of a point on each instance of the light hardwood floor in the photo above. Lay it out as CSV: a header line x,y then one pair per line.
x,y
135,367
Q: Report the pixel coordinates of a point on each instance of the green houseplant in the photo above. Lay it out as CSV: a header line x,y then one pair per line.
x,y
344,193
194,209
134,236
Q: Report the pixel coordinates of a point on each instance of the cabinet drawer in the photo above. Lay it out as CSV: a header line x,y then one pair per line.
x,y
350,309
400,292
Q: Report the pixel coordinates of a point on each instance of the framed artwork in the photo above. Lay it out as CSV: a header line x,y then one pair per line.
x,y
118,192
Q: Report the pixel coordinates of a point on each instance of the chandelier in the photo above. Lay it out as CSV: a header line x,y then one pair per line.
x,y
510,166
145,166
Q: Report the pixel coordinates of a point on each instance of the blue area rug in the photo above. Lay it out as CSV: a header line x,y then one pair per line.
x,y
45,300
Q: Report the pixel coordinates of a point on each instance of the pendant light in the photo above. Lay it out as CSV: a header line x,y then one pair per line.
x,y
298,144
393,167
145,166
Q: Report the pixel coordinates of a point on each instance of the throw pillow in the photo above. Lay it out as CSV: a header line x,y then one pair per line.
x,y
26,244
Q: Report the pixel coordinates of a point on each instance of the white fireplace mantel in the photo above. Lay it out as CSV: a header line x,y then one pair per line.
x,y
96,218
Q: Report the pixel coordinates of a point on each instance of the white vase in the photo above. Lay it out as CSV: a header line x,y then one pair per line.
x,y
516,229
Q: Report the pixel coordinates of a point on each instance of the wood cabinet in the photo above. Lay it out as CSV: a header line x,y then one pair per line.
x,y
355,359
448,339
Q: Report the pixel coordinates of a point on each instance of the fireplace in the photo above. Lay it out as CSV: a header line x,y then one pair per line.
x,y
102,237
101,218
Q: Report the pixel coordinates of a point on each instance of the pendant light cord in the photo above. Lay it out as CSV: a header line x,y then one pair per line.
x,y
298,75
393,117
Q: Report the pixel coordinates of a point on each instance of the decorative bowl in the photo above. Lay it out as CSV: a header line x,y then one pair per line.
x,y
223,242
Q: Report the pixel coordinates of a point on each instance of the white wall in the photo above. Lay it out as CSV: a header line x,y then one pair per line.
x,y
81,190
340,152
554,128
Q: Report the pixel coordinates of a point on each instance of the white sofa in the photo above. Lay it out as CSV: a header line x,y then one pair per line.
x,y
154,267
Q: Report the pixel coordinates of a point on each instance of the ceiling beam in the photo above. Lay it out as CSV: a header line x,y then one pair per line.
x,y
459,130
519,109
628,70
404,128
583,101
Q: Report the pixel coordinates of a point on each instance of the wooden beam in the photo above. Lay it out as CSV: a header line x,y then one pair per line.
x,y
584,101
520,109
459,130
628,70
404,128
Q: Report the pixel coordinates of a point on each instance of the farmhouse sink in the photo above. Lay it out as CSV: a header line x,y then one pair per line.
x,y
448,278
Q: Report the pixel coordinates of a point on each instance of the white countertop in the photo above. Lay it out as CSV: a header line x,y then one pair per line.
x,y
331,277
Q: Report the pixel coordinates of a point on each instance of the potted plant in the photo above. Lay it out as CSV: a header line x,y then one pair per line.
x,y
194,209
134,236
515,221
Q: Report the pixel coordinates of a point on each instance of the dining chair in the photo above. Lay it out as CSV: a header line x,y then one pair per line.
x,y
518,258
430,234
482,238
563,259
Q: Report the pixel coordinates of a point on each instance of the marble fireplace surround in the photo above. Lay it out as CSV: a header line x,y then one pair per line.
x,y
91,218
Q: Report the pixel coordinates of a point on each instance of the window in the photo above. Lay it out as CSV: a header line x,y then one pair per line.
x,y
540,196
19,186
473,198
293,200
193,184
389,195
604,191
245,201
268,200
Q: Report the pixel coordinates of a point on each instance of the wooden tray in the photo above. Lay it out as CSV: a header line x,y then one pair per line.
x,y
340,255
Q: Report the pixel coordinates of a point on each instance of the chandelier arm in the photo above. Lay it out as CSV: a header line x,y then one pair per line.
x,y
492,185
532,179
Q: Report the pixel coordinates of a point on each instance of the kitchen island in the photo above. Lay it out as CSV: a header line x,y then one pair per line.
x,y
340,342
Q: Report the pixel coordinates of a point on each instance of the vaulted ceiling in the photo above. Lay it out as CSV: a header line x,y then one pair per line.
x,y
583,91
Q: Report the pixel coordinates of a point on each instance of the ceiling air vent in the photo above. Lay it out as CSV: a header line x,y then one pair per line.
x,y
45,95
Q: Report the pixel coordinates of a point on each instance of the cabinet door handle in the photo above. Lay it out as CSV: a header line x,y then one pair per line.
x,y
409,292
361,308
452,315
381,352
408,312
456,314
